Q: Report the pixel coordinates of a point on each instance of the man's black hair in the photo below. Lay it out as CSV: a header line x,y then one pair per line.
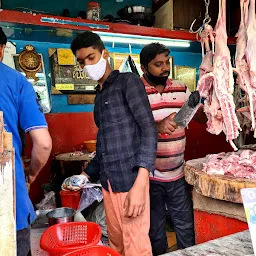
x,y
85,40
3,38
150,51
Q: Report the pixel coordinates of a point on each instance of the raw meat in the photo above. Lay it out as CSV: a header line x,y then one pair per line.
x,y
222,83
207,62
211,103
241,164
242,68
211,109
251,42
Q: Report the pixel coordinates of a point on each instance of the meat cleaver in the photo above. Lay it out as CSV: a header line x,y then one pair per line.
x,y
188,110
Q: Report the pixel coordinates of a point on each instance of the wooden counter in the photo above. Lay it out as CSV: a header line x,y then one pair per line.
x,y
69,157
215,186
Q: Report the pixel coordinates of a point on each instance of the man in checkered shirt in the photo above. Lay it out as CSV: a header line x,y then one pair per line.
x,y
126,147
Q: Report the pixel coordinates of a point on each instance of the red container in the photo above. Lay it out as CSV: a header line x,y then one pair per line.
x,y
93,5
70,199
94,251
212,226
63,238
93,11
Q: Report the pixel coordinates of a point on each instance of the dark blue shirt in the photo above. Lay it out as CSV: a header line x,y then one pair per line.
x,y
127,135
20,108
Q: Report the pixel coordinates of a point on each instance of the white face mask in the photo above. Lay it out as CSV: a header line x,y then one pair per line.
x,y
96,71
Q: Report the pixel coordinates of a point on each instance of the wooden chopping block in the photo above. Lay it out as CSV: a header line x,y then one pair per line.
x,y
215,186
7,194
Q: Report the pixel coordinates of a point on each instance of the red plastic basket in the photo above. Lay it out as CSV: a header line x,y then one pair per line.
x,y
94,251
67,237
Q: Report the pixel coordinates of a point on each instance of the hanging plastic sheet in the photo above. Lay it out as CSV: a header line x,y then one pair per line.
x,y
89,196
133,66
125,66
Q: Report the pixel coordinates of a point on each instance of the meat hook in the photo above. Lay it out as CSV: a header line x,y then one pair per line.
x,y
191,28
207,4
206,20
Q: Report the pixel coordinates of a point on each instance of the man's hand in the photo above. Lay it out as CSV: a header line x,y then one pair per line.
x,y
167,125
134,204
85,164
85,174
30,178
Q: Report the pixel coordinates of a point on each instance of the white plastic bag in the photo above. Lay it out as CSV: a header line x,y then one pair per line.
x,y
74,183
79,217
89,196
99,216
49,202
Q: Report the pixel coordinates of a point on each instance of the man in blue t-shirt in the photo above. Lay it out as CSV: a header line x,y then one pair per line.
x,y
20,108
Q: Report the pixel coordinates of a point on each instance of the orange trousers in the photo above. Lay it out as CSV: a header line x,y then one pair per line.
x,y
128,236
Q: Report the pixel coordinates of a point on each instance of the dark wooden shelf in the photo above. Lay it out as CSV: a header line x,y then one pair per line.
x,y
15,17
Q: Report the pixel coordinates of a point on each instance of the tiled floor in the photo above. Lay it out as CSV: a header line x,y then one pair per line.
x,y
36,234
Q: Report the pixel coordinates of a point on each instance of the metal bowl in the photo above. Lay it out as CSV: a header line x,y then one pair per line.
x,y
61,215
138,15
141,9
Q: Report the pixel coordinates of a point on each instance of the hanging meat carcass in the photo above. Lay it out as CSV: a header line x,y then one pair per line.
x,y
222,79
251,43
211,103
242,68
207,61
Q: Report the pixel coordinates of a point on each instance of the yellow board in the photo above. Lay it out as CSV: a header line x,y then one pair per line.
x,y
65,87
120,57
65,57
187,75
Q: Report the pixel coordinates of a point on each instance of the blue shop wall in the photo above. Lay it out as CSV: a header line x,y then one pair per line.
x,y
56,7
60,102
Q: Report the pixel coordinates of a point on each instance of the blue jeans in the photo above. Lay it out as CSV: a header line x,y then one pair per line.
x,y
23,242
